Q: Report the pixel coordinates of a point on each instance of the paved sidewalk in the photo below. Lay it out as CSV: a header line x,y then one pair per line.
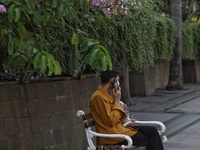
x,y
178,110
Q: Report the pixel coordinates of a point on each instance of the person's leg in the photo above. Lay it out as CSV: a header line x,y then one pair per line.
x,y
138,139
153,136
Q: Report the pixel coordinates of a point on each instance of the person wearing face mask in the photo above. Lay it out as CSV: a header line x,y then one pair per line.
x,y
109,116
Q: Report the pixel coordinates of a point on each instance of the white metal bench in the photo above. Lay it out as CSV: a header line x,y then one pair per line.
x,y
89,122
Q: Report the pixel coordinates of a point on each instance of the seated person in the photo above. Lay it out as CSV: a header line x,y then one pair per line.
x,y
109,116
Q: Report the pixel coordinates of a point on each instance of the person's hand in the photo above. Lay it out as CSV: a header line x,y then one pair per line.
x,y
129,123
117,95
133,121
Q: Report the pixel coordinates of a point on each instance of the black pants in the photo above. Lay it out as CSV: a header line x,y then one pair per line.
x,y
147,136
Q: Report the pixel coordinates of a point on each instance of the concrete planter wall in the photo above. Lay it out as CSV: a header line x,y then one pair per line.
x,y
142,83
191,71
162,73
42,116
146,82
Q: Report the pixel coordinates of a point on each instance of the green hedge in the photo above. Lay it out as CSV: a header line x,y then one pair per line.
x,y
191,41
130,40
136,41
165,38
46,29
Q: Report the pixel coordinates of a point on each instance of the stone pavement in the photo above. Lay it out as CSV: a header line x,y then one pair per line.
x,y
178,110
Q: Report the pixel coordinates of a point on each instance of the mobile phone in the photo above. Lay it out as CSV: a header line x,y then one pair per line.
x,y
115,84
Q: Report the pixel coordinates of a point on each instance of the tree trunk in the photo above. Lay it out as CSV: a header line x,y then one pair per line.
x,y
190,5
166,3
125,85
176,77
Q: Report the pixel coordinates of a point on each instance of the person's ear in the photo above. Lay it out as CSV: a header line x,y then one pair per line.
x,y
111,80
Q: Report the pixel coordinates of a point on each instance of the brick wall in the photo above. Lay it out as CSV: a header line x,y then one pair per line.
x,y
42,116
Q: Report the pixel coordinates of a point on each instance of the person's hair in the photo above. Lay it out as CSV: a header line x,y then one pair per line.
x,y
109,74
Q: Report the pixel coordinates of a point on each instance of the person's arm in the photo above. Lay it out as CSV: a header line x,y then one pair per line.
x,y
110,114
117,95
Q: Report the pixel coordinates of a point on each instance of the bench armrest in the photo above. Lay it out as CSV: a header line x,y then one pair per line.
x,y
158,123
137,122
91,133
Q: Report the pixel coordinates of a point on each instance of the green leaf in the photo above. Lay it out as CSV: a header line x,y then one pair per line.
x,y
17,14
43,65
10,48
35,50
30,4
11,44
93,56
92,42
37,17
22,29
60,11
57,69
109,64
84,47
11,13
36,60
104,64
14,56
96,63
87,58
49,56
54,3
50,67
75,39
82,33
104,49
46,17
19,44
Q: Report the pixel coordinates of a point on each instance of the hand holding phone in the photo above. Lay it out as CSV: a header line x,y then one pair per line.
x,y
116,91
115,84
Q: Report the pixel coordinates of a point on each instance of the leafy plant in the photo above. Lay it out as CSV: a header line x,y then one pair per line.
x,y
21,35
128,38
165,37
66,36
91,53
37,34
188,51
191,41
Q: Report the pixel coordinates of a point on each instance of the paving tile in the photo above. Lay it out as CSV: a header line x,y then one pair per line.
x,y
188,139
190,106
178,110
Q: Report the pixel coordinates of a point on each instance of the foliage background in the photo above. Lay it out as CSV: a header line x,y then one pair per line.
x,y
191,41
75,38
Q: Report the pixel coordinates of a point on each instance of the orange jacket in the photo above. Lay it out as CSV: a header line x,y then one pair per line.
x,y
108,117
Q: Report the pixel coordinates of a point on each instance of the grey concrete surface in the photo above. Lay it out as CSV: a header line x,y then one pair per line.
x,y
178,110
